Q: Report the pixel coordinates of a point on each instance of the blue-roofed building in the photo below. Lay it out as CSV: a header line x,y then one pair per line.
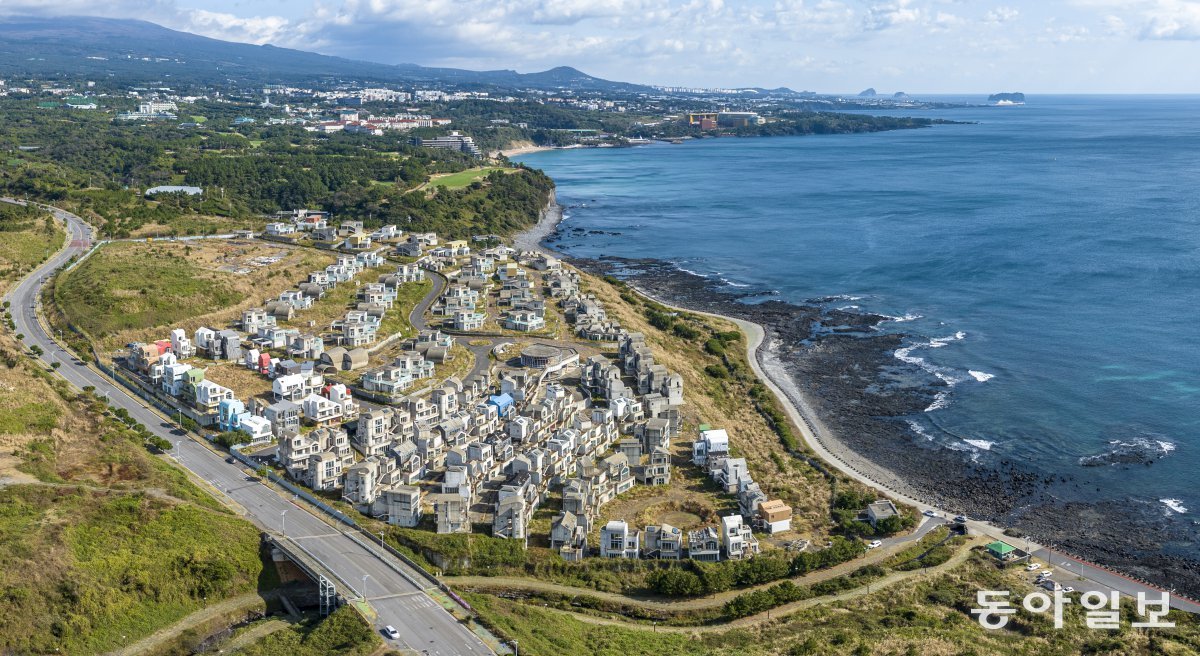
x,y
502,402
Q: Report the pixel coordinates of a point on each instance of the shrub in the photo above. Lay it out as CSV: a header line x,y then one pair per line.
x,y
714,347
685,331
228,439
716,371
675,582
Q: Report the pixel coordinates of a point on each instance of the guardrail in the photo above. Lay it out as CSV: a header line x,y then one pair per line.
x,y
343,518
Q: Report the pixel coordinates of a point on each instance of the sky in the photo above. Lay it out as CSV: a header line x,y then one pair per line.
x,y
829,46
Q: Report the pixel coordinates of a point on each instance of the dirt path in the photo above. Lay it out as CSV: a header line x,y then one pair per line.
x,y
162,637
645,601
787,609
260,630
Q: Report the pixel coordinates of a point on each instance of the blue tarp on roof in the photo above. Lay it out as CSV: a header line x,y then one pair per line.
x,y
502,402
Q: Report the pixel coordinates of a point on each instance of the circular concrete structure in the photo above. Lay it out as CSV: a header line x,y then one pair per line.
x,y
540,356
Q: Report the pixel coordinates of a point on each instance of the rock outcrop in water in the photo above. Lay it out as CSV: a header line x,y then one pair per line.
x,y
1012,97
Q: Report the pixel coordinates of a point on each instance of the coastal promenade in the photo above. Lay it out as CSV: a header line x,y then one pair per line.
x,y
364,572
1074,571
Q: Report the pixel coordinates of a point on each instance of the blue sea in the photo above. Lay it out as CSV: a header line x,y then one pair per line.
x,y
1044,259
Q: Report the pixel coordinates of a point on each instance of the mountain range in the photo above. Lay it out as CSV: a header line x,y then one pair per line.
x,y
138,50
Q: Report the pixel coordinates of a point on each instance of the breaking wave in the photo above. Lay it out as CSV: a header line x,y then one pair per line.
x,y
1137,451
1174,504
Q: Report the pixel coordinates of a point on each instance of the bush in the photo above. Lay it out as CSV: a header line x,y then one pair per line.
x,y
228,439
716,371
840,551
714,347
675,582
685,331
660,320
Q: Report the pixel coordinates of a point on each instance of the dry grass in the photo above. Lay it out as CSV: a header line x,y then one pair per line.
x,y
135,291
245,383
22,250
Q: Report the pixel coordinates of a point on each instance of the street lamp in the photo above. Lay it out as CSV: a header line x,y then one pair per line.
x,y
364,588
515,652
283,521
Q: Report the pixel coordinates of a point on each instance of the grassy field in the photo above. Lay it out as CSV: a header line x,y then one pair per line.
x,y
133,291
26,239
101,542
396,319
929,616
463,178
344,633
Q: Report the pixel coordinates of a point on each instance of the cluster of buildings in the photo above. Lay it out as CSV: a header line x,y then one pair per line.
x,y
731,540
486,450
353,122
714,120
454,141
151,110
711,453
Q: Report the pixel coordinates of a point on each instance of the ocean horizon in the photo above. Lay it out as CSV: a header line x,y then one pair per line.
x,y
1043,261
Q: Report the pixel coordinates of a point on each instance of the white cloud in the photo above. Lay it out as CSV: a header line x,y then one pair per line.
x,y
1000,15
891,14
1172,19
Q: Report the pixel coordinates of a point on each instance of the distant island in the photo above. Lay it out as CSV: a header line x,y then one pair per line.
x,y
867,93
1011,98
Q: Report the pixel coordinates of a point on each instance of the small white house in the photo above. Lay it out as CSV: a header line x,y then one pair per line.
x,y
258,428
711,443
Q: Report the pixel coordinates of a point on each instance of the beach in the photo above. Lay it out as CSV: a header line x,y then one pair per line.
x,y
523,150
548,220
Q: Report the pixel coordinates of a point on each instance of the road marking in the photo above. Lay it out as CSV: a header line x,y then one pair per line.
x,y
398,595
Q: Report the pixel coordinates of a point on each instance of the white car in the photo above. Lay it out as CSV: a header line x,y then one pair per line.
x,y
1068,589
1033,567
930,513
391,632
874,544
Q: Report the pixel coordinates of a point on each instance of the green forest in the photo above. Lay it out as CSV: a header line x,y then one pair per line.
x,y
91,164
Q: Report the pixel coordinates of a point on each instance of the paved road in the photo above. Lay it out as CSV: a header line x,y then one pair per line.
x,y
397,601
417,319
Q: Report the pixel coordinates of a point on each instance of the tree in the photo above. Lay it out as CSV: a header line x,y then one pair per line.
x,y
229,439
55,365
36,350
675,582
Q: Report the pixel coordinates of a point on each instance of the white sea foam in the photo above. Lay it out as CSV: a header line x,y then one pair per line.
x,y
1174,504
1166,447
981,444
694,273
849,307
919,430
731,283
940,400
948,376
981,376
906,318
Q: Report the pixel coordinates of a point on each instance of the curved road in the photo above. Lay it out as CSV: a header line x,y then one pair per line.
x,y
384,581
417,319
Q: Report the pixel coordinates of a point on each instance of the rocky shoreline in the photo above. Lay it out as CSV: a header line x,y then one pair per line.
x,y
842,373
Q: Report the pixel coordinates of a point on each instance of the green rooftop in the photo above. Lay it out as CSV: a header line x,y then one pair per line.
x,y
1001,548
